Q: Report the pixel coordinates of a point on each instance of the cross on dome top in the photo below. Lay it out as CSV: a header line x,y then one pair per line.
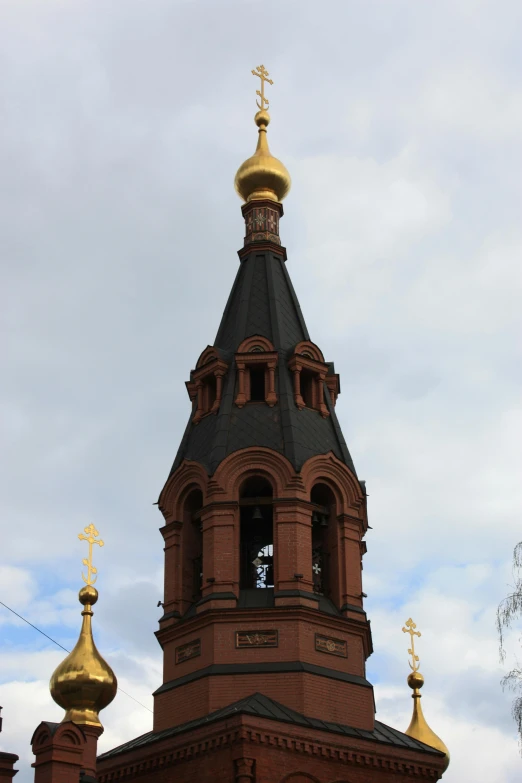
x,y
263,75
262,177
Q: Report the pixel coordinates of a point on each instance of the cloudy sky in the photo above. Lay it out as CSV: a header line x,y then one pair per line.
x,y
123,123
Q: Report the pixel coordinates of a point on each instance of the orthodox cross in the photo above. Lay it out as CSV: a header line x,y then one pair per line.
x,y
263,75
410,628
92,535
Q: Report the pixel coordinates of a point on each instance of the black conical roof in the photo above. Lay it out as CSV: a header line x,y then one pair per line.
x,y
262,302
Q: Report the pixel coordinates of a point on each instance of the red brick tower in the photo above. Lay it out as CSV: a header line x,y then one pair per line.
x,y
264,634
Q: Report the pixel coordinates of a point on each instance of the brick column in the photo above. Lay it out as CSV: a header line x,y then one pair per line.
x,y
7,762
241,397
172,579
220,557
59,752
92,733
350,577
292,546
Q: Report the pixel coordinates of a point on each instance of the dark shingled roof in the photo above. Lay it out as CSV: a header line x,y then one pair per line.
x,y
262,706
262,302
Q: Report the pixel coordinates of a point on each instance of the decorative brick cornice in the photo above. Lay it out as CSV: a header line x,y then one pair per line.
x,y
260,246
263,667
331,623
250,733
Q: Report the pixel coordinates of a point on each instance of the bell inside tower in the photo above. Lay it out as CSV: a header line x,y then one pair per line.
x,y
257,537
323,538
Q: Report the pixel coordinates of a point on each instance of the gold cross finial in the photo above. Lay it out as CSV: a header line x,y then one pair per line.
x,y
263,75
92,535
410,628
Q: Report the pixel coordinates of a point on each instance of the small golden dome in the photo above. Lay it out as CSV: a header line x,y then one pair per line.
x,y
262,176
418,728
83,684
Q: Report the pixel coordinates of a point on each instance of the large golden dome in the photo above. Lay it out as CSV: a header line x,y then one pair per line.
x,y
262,176
83,684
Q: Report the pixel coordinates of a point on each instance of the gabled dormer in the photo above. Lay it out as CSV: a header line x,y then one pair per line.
x,y
205,387
256,362
310,372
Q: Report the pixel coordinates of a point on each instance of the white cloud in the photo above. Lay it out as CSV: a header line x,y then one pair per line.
x,y
372,214
17,585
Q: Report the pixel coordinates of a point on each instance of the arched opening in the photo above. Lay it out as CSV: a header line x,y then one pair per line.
x,y
256,534
307,388
324,539
209,392
192,565
257,384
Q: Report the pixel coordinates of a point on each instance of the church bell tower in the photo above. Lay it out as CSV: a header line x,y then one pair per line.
x,y
264,633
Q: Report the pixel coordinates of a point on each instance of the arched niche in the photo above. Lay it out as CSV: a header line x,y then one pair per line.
x,y
256,533
324,541
192,546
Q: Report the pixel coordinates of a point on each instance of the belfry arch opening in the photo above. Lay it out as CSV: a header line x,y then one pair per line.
x,y
192,565
256,534
324,540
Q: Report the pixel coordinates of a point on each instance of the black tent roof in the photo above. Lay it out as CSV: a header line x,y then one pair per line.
x,y
262,302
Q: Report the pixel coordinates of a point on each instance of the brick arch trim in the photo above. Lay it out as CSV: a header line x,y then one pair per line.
x,y
300,777
242,464
256,340
190,475
206,356
306,346
66,733
327,469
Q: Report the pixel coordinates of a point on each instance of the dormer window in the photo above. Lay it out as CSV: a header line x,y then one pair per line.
x,y
310,375
256,363
205,387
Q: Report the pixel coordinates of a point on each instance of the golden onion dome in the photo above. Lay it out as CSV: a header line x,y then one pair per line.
x,y
84,683
262,176
418,728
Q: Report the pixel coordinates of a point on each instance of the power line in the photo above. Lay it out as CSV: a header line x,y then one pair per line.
x,y
34,626
67,651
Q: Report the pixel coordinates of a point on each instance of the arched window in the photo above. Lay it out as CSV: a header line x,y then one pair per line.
x,y
256,534
323,538
192,576
256,363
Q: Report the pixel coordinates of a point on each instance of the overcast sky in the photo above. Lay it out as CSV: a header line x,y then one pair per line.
x,y
123,123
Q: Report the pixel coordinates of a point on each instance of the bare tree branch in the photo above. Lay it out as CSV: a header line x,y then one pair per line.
x,y
509,610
